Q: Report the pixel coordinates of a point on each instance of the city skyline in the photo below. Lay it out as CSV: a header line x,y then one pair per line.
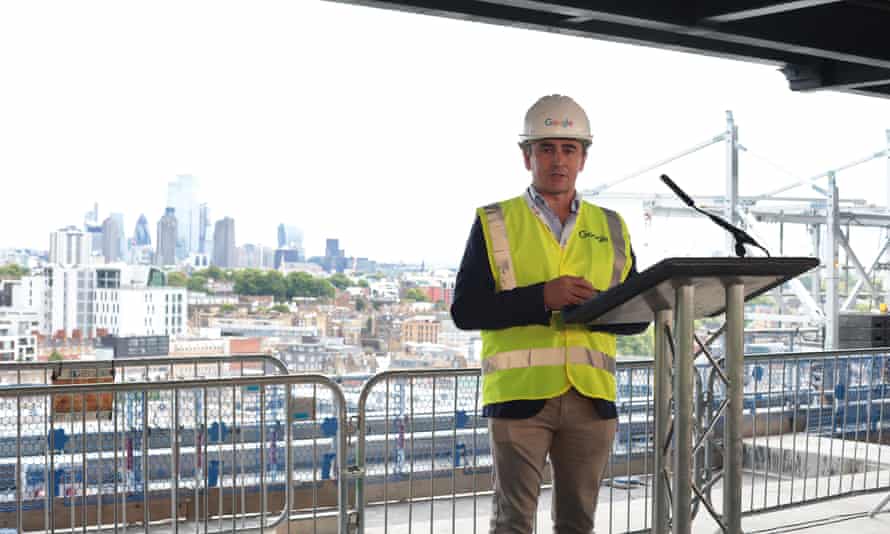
x,y
395,174
287,236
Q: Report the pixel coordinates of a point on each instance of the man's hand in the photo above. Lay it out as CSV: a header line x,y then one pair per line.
x,y
565,290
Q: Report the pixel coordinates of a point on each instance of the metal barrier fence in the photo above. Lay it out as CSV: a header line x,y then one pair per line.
x,y
220,454
152,369
813,429
817,427
208,455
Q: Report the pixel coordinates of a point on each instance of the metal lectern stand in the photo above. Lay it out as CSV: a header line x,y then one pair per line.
x,y
675,292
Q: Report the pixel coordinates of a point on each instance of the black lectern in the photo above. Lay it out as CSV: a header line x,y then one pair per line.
x,y
678,291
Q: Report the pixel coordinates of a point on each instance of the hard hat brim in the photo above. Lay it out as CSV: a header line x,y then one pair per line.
x,y
530,138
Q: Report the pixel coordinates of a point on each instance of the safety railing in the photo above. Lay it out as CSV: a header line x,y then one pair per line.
x,y
218,454
815,427
423,457
209,455
147,369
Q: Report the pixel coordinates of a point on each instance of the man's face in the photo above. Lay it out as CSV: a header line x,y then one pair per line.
x,y
555,164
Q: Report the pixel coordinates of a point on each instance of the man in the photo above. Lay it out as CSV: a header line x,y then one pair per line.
x,y
548,387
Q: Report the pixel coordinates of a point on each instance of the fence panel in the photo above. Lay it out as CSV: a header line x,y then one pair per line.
x,y
207,455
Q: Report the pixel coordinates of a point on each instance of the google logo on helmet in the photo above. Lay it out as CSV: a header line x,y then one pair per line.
x,y
565,123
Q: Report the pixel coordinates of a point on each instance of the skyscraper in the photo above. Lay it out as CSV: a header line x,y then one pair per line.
x,y
182,196
332,248
205,231
334,257
141,237
224,254
167,232
290,245
289,236
94,236
91,218
111,240
122,238
69,246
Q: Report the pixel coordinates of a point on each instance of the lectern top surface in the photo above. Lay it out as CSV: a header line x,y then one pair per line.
x,y
653,289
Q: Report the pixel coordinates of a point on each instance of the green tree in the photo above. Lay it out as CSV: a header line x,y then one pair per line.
x,y
638,345
214,273
12,271
363,283
55,356
305,285
197,282
415,295
256,282
340,281
177,279
281,308
227,308
274,284
246,282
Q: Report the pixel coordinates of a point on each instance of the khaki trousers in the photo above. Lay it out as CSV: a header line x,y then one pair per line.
x,y
578,442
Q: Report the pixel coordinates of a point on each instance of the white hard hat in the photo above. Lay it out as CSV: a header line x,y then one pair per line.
x,y
556,117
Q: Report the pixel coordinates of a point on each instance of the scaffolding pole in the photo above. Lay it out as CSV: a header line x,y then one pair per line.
x,y
732,179
831,265
887,206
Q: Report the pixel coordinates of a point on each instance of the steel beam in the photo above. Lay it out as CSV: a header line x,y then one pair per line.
x,y
732,179
821,175
836,75
851,256
830,261
760,9
887,207
863,218
861,282
612,183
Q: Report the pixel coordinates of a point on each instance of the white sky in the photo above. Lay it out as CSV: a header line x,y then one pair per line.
x,y
384,129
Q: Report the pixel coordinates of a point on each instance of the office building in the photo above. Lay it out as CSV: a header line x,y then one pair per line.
x,y
167,232
182,196
69,246
141,236
112,231
224,253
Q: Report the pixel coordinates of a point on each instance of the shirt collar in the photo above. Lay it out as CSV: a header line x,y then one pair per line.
x,y
540,201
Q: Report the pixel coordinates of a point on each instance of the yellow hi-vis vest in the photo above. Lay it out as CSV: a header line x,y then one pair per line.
x,y
542,362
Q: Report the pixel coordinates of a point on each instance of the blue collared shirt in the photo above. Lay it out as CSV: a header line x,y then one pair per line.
x,y
539,206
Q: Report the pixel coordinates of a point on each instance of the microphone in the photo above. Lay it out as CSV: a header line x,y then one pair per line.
x,y
677,191
741,237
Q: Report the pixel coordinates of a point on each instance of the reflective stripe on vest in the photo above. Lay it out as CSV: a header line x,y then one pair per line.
x,y
501,246
616,232
522,359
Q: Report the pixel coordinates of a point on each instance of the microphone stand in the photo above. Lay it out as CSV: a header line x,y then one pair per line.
x,y
740,236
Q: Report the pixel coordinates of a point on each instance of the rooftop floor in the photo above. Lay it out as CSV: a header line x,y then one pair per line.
x,y
841,515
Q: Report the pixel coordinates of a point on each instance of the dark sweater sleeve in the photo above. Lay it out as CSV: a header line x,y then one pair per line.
x,y
477,306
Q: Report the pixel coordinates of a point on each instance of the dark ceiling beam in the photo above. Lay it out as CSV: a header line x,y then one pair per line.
x,y
822,43
836,76
748,10
809,32
883,5
882,91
